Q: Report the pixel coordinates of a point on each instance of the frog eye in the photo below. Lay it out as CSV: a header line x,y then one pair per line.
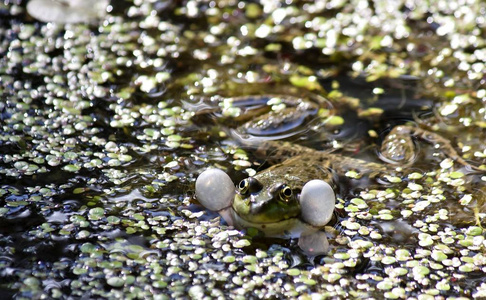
x,y
249,185
285,193
244,186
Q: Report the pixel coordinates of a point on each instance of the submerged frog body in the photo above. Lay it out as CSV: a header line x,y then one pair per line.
x,y
296,197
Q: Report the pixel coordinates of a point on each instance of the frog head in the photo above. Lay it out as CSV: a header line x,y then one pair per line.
x,y
273,199
262,201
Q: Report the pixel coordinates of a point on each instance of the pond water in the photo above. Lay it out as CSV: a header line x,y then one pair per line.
x,y
106,124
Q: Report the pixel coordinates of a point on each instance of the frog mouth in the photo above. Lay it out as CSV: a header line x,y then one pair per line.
x,y
259,223
285,228
260,214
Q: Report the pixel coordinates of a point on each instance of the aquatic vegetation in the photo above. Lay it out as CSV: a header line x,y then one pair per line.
x,y
101,143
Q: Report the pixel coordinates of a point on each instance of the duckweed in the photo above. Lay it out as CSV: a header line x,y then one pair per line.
x,y
106,126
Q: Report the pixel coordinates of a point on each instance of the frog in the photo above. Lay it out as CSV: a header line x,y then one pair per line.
x,y
296,196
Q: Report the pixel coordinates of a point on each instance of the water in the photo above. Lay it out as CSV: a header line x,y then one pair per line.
x,y
104,128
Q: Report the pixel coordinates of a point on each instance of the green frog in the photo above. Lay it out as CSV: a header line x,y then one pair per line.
x,y
295,197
